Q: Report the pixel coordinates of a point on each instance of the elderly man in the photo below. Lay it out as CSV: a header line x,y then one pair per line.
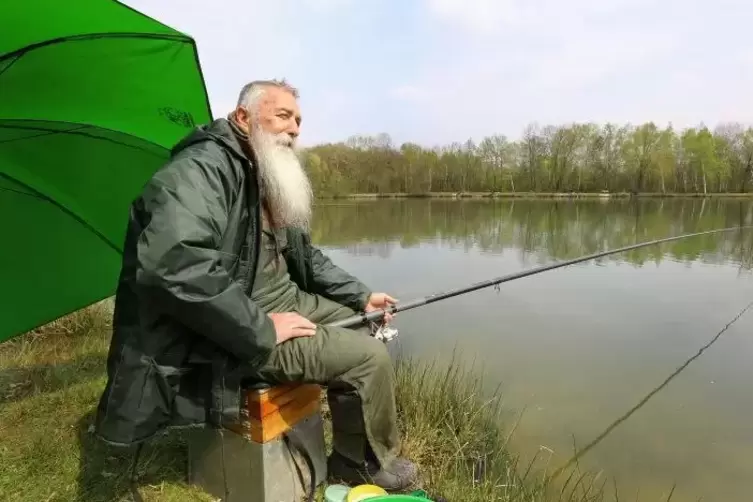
x,y
220,284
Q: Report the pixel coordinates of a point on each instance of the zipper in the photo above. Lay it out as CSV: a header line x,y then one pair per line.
x,y
257,228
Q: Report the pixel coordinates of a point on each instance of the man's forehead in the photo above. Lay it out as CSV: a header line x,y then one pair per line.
x,y
280,98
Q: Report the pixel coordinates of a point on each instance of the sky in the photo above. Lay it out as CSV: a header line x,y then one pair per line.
x,y
435,72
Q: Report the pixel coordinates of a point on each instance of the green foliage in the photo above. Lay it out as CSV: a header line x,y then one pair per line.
x,y
568,158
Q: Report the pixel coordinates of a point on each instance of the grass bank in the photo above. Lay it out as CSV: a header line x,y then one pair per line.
x,y
50,380
532,195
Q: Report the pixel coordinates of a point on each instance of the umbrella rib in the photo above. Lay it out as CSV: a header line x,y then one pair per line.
x,y
66,210
21,192
76,130
92,36
7,67
45,132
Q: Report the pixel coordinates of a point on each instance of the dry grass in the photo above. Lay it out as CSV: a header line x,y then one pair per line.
x,y
52,378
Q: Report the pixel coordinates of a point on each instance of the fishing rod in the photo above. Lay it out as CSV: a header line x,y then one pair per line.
x,y
364,318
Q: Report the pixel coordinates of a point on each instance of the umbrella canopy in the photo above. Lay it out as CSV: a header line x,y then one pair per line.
x,y
93,94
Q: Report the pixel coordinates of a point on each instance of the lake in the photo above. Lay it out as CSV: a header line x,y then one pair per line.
x,y
575,348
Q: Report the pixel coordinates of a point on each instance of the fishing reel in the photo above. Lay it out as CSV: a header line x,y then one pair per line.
x,y
384,332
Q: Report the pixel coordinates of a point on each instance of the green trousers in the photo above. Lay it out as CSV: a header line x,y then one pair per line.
x,y
355,367
357,371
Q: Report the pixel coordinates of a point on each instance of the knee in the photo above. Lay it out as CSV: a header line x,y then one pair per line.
x,y
376,356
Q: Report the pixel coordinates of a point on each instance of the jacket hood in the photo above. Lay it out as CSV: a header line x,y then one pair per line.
x,y
218,131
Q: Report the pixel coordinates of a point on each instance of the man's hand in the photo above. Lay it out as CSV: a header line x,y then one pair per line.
x,y
381,301
291,325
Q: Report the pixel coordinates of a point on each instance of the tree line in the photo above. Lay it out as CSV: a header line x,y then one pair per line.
x,y
583,158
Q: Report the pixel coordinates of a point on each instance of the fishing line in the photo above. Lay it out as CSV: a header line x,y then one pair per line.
x,y
643,401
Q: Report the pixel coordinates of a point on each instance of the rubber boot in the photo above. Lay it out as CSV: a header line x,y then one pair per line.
x,y
352,460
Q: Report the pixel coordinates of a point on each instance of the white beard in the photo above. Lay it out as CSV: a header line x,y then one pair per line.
x,y
284,183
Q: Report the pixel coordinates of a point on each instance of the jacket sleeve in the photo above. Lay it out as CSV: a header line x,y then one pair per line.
x,y
334,283
180,266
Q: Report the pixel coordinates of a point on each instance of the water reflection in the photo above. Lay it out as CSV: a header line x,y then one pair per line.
x,y
543,230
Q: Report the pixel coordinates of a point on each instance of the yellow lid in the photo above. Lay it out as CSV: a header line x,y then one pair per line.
x,y
363,492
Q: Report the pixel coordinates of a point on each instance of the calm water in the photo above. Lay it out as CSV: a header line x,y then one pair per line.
x,y
575,348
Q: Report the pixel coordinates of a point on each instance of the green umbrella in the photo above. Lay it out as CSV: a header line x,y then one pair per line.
x,y
93,95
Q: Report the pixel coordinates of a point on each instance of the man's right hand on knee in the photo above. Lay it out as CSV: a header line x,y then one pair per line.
x,y
291,325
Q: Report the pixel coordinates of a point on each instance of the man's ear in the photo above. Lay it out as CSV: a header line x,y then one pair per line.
x,y
241,117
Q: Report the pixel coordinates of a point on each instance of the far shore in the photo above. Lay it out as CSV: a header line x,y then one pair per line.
x,y
531,195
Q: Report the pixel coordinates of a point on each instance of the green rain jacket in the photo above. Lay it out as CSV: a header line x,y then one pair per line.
x,y
185,332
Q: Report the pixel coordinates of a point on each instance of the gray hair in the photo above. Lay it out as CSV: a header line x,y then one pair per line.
x,y
253,91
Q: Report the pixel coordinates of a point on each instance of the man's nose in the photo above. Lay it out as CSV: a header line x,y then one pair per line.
x,y
294,129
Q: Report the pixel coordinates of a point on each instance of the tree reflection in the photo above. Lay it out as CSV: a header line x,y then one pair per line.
x,y
543,230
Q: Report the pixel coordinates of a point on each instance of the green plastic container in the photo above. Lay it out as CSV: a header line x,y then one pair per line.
x,y
397,498
338,493
419,496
